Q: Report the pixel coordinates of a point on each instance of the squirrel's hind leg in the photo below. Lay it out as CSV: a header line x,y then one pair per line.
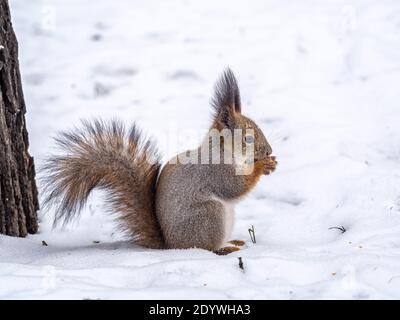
x,y
226,250
229,249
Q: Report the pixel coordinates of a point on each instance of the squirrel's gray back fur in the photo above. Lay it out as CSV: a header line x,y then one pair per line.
x,y
194,204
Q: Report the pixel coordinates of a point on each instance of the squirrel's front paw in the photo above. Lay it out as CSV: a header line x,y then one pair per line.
x,y
226,250
270,164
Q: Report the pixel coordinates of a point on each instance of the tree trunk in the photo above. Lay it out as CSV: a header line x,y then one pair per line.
x,y
18,193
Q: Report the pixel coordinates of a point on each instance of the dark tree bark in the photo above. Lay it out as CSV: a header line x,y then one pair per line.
x,y
18,193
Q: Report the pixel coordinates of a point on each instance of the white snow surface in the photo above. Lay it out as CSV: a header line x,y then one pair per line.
x,y
321,78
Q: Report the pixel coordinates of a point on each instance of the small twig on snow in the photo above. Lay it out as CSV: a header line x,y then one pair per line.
x,y
252,233
341,228
241,263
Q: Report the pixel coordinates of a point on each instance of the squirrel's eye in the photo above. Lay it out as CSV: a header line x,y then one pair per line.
x,y
248,139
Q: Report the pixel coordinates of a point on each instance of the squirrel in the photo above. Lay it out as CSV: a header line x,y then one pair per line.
x,y
182,205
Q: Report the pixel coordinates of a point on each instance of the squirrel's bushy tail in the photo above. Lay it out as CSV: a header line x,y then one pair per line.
x,y
104,155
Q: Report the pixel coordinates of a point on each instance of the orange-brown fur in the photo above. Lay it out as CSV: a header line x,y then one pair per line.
x,y
226,250
238,243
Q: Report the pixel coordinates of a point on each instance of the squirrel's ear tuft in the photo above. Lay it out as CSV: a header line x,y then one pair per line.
x,y
226,100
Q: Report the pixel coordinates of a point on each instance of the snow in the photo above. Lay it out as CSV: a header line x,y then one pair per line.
x,y
320,78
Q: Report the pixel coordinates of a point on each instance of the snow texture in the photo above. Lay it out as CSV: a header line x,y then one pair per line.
x,y
321,78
